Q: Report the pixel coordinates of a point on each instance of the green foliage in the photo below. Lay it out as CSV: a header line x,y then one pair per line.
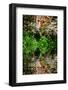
x,y
30,43
45,44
